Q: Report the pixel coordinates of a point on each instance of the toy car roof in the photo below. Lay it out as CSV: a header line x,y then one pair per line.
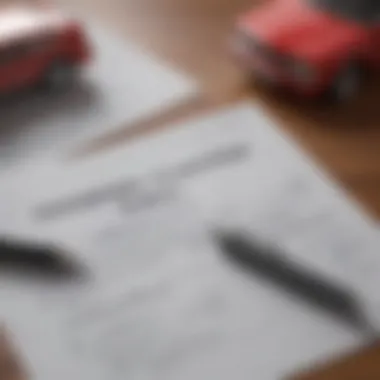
x,y
18,22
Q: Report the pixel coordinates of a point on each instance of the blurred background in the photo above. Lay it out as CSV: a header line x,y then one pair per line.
x,y
186,44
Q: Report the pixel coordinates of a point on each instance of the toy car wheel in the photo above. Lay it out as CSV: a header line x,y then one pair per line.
x,y
60,76
347,83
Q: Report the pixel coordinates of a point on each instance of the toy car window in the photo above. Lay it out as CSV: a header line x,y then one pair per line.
x,y
40,43
20,49
357,10
10,53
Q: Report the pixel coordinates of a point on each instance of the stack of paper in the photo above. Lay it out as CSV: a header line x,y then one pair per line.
x,y
161,302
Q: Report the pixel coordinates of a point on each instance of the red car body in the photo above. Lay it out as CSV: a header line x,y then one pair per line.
x,y
302,46
33,38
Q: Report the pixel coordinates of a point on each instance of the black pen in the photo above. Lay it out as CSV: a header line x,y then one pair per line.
x,y
268,262
36,257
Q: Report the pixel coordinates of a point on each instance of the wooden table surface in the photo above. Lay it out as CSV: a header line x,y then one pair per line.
x,y
192,36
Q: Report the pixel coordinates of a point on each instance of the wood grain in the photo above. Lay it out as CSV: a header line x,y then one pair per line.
x,y
362,365
10,362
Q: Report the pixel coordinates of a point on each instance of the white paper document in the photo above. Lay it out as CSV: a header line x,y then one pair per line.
x,y
161,302
121,85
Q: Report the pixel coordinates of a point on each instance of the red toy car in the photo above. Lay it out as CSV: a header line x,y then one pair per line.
x,y
39,45
311,46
